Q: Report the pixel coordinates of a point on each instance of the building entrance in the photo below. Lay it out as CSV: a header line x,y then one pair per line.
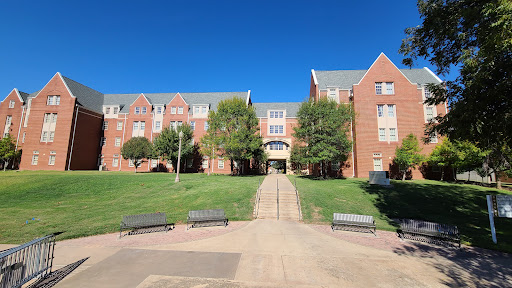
x,y
276,166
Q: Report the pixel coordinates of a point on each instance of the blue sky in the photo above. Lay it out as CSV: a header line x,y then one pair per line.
x,y
128,46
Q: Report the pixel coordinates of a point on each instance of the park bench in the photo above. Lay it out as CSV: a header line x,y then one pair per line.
x,y
428,231
207,217
144,223
353,222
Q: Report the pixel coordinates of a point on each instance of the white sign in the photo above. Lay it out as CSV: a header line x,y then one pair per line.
x,y
504,206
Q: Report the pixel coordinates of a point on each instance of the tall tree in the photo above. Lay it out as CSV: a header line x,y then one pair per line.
x,y
209,145
408,155
444,155
322,131
167,144
474,36
137,149
236,127
8,152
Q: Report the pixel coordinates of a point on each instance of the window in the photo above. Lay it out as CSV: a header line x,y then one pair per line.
x,y
378,88
390,89
377,164
433,138
179,123
205,125
117,141
53,100
107,110
172,125
115,160
220,164
430,112
142,125
276,129
154,163
119,125
173,110
7,128
50,121
105,125
192,141
130,163
54,117
23,138
44,136
382,134
35,158
427,93
52,136
392,134
137,110
47,118
203,109
196,109
159,110
116,110
205,164
332,94
391,111
276,114
11,104
380,111
136,125
158,125
103,141
180,110
144,110
51,158
193,125
275,145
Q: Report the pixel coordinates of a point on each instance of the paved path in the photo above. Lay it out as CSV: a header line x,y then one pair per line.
x,y
271,253
268,207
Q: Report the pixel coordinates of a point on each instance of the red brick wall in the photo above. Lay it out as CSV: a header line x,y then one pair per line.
x,y
15,112
86,144
65,113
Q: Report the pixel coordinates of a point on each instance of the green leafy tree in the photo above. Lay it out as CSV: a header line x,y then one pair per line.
x,y
470,156
236,127
137,149
408,155
167,144
209,145
474,36
8,151
444,155
298,157
323,129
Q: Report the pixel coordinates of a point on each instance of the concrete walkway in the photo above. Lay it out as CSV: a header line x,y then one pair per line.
x,y
271,253
268,206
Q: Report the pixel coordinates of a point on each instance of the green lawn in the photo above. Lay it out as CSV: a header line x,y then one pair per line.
x,y
459,204
90,202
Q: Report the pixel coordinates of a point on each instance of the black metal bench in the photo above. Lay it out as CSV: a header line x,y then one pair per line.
x,y
353,222
144,223
428,231
208,217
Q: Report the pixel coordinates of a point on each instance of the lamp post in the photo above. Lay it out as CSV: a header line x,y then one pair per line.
x,y
179,160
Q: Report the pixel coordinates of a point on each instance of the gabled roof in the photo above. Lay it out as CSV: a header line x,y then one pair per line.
x,y
291,108
24,96
344,79
421,76
87,97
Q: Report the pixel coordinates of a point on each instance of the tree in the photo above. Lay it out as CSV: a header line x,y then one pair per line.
x,y
298,157
444,155
167,144
209,145
8,150
474,36
408,155
236,126
470,156
322,131
137,149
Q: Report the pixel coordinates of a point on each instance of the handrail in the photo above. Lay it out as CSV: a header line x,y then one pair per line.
x,y
258,196
298,201
277,180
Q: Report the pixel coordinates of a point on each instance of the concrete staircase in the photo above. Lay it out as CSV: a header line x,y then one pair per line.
x,y
268,208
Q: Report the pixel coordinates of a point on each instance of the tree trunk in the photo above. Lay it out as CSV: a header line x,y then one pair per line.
x,y
135,167
442,174
6,164
324,174
403,175
231,161
498,181
209,166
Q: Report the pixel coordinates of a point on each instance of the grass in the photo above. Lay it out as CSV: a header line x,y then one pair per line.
x,y
90,202
458,204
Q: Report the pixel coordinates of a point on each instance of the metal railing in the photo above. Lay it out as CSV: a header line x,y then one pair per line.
x,y
298,200
277,180
258,196
21,264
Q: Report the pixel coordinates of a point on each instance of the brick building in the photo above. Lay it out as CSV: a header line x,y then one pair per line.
x,y
69,126
388,104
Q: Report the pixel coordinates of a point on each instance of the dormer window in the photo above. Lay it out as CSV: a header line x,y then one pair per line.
x,y
331,95
107,110
276,114
159,109
116,110
53,100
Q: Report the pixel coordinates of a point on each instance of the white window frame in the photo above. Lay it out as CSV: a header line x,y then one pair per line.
x,y
35,159
144,110
137,110
392,134
105,125
380,111
116,110
117,142
382,134
390,88
12,103
391,111
103,141
158,125
180,109
193,125
376,163
119,125
378,88
159,110
107,110
220,163
173,110
431,116
205,125
115,161
51,159
204,164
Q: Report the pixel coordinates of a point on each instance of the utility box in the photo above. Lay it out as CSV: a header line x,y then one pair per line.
x,y
379,178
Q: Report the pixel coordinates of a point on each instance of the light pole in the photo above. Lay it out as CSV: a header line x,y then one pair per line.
x,y
179,160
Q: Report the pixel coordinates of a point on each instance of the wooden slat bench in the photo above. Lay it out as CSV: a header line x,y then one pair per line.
x,y
206,216
353,221
145,223
424,231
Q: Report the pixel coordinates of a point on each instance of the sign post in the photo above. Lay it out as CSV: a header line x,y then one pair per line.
x,y
498,206
490,208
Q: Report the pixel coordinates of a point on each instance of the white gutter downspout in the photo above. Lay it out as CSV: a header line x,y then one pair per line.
x,y
124,129
19,129
73,140
352,139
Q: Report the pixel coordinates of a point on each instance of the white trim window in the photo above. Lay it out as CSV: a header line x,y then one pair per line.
x,y
390,88
119,125
105,125
116,110
107,110
378,88
433,138
193,125
276,129
115,160
173,110
142,125
172,125
380,111
23,138
382,134
158,125
205,163
11,103
51,158
130,163
391,110
220,163
205,125
35,158
276,114
53,100
144,110
117,141
49,123
137,110
103,141
430,113
377,164
427,93
392,134
159,110
331,94
180,110
154,163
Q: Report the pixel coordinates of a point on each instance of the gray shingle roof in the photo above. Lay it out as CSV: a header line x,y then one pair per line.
x,y
86,96
291,108
344,79
24,96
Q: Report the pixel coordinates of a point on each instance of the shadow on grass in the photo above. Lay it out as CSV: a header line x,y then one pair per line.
x,y
459,205
56,276
470,267
311,177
